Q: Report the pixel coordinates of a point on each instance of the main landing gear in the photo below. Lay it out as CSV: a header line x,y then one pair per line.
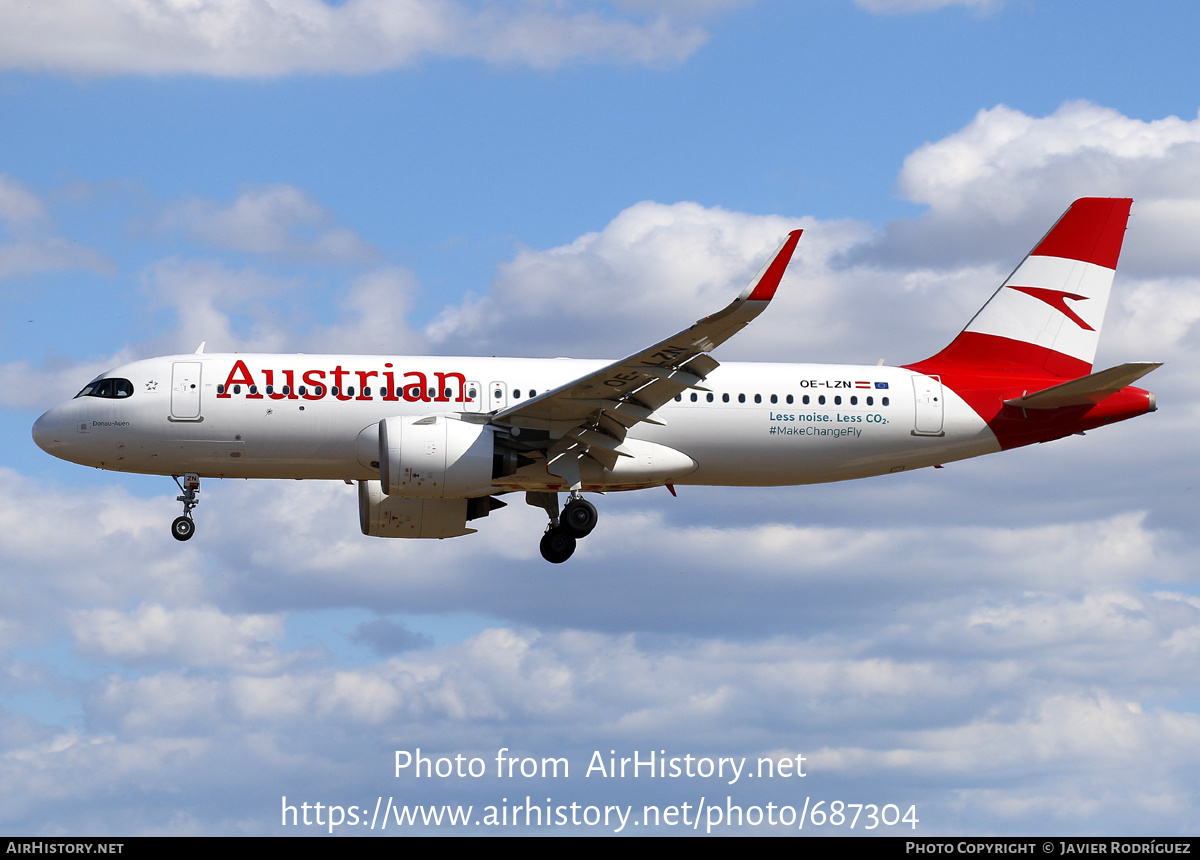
x,y
576,521
184,527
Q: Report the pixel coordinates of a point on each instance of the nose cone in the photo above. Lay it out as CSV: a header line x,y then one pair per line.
x,y
47,433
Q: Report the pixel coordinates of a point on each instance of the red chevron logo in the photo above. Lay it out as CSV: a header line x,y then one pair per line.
x,y
1057,299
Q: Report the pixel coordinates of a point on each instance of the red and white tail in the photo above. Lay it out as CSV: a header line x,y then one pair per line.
x,y
1046,318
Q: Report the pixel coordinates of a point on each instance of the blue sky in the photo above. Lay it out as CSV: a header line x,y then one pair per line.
x,y
1009,643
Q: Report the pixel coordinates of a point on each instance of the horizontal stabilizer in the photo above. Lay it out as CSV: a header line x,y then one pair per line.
x,y
1087,390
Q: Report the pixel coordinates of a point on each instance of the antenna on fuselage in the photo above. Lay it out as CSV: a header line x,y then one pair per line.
x,y
200,348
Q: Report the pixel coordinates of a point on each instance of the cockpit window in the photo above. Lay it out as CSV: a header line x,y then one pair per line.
x,y
111,388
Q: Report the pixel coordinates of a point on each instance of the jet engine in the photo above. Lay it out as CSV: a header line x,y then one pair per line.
x,y
392,516
435,457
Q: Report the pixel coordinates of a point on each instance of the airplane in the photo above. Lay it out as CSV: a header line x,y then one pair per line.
x,y
433,443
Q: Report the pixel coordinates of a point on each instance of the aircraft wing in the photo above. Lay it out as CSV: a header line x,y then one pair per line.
x,y
590,416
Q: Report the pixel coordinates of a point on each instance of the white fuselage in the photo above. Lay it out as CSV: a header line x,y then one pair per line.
x,y
277,416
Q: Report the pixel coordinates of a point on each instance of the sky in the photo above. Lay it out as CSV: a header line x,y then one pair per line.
x,y
1008,645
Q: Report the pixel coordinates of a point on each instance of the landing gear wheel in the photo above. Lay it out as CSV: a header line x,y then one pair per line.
x,y
579,517
557,546
183,528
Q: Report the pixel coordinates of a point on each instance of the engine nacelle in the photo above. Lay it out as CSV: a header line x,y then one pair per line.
x,y
395,517
435,457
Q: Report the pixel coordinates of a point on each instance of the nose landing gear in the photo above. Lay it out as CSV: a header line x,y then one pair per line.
x,y
576,521
184,527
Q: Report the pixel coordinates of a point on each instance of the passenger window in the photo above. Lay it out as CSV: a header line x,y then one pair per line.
x,y
789,399
516,394
758,398
885,401
694,397
837,401
853,401
805,399
774,399
710,397
821,399
741,398
870,400
724,398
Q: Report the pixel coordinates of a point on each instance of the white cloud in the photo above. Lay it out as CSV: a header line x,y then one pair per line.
x,y
276,220
684,687
201,636
32,257
1000,182
910,726
654,265
1062,735
1004,160
205,296
895,657
376,308
267,38
80,548
24,385
17,203
292,546
250,310
31,251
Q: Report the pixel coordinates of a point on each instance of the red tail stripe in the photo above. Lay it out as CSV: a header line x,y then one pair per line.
x,y
976,354
1091,231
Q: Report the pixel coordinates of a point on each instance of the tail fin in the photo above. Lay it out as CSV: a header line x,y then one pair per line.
x,y
1046,318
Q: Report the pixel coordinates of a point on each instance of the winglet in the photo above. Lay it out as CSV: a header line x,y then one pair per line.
x,y
762,288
